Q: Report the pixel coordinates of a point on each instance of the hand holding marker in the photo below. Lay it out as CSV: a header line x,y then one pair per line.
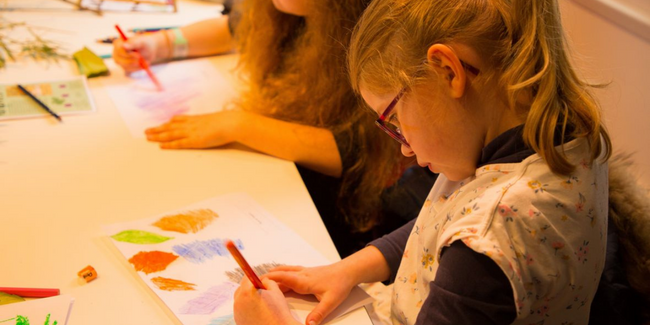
x,y
257,283
143,63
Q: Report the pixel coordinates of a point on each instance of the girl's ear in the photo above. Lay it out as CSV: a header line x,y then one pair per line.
x,y
442,58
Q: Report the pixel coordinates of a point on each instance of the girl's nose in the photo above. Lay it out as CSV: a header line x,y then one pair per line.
x,y
407,151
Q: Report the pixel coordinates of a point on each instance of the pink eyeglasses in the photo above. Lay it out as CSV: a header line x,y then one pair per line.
x,y
393,130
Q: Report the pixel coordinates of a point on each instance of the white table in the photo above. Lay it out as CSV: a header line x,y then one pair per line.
x,y
60,182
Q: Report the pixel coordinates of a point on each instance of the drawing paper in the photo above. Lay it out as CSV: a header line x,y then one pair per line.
x,y
181,256
123,5
190,87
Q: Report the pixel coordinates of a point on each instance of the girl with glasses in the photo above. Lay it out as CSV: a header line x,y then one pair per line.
x,y
514,229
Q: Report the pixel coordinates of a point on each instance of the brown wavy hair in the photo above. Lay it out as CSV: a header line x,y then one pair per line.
x,y
522,42
296,69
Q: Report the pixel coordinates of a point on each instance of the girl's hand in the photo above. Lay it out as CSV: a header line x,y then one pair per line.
x,y
197,131
152,47
253,306
328,283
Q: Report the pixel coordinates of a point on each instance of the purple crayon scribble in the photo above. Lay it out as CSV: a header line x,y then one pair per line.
x,y
199,251
174,101
210,300
223,320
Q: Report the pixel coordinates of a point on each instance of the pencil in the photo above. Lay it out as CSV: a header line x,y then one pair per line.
x,y
31,292
257,283
40,103
143,63
150,29
108,40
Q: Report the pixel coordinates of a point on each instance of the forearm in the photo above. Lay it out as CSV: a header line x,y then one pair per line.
x,y
366,266
392,246
208,37
312,147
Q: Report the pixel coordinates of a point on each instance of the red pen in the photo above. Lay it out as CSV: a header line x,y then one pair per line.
x,y
257,283
143,63
31,292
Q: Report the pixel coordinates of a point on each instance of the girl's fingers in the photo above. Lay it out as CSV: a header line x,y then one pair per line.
x,y
159,129
322,310
292,281
294,268
176,144
270,284
179,118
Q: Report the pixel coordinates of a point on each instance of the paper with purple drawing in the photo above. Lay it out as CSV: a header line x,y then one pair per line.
x,y
44,311
191,87
181,256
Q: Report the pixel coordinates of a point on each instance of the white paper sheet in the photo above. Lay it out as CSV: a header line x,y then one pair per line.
x,y
38,311
144,6
190,87
199,259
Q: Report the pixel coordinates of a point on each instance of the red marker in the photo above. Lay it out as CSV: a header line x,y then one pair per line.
x,y
244,265
31,292
143,63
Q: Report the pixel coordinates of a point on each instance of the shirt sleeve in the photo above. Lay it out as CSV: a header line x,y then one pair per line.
x,y
469,289
392,247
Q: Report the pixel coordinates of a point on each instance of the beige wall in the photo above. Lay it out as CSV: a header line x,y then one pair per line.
x,y
605,52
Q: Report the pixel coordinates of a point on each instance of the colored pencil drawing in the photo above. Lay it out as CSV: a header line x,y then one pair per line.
x,y
186,222
161,106
200,251
165,105
199,284
224,320
172,284
23,320
210,300
150,262
191,87
237,274
140,237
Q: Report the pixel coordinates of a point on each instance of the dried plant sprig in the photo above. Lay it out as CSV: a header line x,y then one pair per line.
x,y
41,49
36,48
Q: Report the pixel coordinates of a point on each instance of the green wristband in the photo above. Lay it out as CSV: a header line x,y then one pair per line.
x,y
181,47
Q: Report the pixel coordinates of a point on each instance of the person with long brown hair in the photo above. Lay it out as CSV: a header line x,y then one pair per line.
x,y
299,106
514,230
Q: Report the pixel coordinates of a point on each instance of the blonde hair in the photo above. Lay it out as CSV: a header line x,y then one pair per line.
x,y
522,43
296,72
